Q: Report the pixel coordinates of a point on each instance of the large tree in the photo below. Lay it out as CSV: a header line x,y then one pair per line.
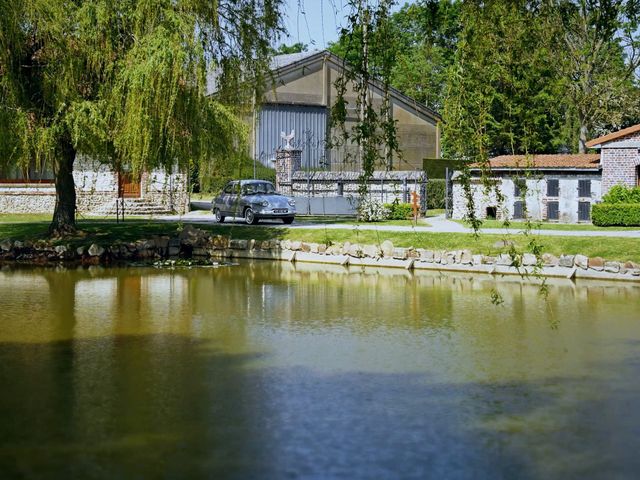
x,y
598,53
125,81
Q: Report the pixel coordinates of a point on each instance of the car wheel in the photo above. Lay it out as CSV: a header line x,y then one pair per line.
x,y
218,216
250,217
288,220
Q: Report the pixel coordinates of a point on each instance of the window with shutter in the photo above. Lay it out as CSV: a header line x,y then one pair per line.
x,y
517,210
553,187
519,186
584,211
553,211
584,188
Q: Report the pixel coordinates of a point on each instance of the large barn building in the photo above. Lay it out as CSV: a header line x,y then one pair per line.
x,y
300,99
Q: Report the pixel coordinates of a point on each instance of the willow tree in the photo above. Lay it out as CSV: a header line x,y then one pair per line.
x,y
125,81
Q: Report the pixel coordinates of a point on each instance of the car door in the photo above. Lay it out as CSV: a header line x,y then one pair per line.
x,y
223,201
232,199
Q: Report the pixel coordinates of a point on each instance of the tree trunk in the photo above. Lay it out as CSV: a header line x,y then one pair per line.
x,y
582,142
64,215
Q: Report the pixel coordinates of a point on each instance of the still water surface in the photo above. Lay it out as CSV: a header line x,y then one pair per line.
x,y
275,371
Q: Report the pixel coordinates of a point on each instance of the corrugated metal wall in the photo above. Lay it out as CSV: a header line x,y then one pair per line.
x,y
310,125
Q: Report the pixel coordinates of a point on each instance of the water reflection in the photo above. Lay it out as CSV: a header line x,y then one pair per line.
x,y
279,371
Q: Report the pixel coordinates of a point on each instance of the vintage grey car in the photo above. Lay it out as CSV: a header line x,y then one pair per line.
x,y
252,200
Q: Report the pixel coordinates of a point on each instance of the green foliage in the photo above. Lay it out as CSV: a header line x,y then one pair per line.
x,y
126,81
398,210
436,192
239,167
622,194
367,50
372,210
616,214
284,49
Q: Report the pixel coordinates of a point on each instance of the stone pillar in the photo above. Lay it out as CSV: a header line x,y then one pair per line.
x,y
288,161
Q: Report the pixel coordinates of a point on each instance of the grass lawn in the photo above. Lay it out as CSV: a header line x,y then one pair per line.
x,y
105,232
546,226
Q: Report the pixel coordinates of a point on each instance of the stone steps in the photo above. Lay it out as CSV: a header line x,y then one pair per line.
x,y
132,206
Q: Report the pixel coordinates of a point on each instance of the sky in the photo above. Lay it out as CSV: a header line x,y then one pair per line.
x,y
316,22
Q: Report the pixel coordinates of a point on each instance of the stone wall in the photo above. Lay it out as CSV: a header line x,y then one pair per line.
x,y
383,186
96,190
536,196
27,198
620,160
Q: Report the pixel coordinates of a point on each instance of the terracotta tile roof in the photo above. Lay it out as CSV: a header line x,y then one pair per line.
x,y
613,136
561,161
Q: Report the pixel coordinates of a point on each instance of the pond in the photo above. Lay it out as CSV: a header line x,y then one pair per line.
x,y
279,371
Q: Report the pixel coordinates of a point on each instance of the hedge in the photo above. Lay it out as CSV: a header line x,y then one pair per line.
x,y
399,211
616,214
436,190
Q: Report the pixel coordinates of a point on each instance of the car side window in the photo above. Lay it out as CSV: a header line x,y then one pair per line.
x,y
229,188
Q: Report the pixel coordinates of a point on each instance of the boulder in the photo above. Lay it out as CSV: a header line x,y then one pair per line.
x,y
285,244
60,249
305,247
400,253
437,256
581,261
488,260
550,260
95,250
529,260
426,256
265,245
322,248
371,251
504,260
80,251
412,253
466,257
18,244
313,247
355,251
345,248
6,245
387,248
334,250
612,267
238,244
566,261
596,263
295,246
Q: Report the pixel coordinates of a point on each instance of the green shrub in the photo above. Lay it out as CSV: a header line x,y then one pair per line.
x,y
370,210
436,190
622,194
399,211
616,214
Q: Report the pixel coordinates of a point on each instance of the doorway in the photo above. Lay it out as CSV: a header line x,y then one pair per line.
x,y
127,186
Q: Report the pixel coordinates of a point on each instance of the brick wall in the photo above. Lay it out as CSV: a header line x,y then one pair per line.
x,y
620,162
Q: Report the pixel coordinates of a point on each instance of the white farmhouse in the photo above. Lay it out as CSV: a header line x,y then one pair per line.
x,y
556,188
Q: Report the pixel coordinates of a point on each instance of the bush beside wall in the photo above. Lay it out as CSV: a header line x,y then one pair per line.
x,y
616,214
436,190
399,211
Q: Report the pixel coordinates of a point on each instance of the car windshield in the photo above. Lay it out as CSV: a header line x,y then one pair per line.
x,y
258,187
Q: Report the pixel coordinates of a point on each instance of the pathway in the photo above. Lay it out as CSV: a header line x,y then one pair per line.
x,y
437,224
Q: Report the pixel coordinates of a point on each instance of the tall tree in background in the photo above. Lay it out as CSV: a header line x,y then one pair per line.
x,y
503,87
599,52
366,46
125,82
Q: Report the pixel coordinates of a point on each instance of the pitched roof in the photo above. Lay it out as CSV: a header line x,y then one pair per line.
x,y
282,64
280,61
597,142
547,162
